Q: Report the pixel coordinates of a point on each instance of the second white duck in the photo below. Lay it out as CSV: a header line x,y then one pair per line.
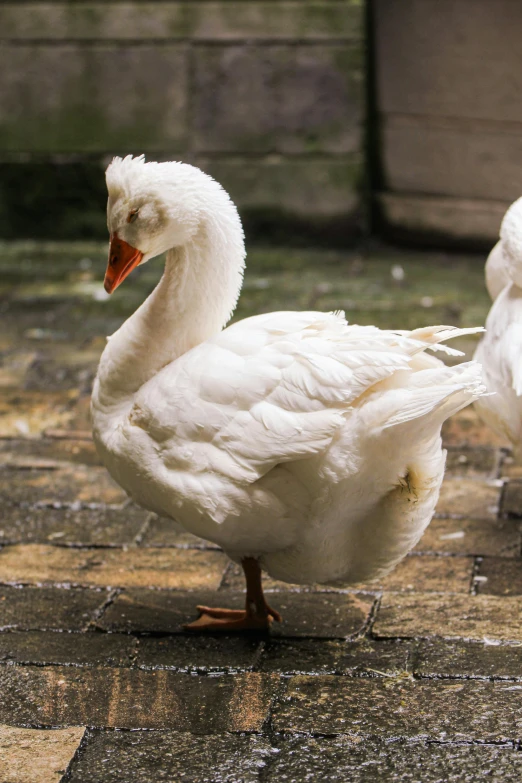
x,y
304,447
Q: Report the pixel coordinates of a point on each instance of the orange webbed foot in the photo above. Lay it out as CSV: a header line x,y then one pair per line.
x,y
257,615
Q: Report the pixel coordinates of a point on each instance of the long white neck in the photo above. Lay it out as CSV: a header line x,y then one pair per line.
x,y
193,300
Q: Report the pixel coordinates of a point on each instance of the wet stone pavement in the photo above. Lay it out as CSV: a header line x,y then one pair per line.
x,y
417,678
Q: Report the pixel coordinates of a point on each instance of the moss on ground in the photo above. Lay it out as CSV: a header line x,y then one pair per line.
x,y
435,287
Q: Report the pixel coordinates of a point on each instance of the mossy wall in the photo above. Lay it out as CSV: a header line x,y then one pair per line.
x,y
267,95
448,76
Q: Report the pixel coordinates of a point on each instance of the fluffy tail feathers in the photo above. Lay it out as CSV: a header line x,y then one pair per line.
x,y
433,337
430,397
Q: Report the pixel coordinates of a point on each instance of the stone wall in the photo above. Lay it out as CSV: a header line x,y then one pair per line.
x,y
267,95
449,82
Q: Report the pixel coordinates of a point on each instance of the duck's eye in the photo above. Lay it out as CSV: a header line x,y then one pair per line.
x,y
133,214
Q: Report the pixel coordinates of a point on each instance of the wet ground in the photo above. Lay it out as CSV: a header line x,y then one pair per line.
x,y
418,678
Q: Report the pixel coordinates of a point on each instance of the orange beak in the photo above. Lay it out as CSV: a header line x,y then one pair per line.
x,y
123,258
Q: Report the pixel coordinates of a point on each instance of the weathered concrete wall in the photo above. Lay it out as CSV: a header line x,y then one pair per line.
x,y
267,95
449,81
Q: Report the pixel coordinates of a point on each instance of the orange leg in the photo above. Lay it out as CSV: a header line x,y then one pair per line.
x,y
257,614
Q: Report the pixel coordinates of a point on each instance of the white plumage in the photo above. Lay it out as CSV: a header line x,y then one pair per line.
x,y
500,350
290,438
505,258
497,276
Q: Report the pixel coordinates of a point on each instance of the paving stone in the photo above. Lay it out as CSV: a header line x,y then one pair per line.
x,y
71,369
155,756
341,759
36,756
304,614
399,707
328,657
134,698
322,615
199,653
165,568
30,413
375,658
102,526
301,656
468,498
85,649
511,468
166,532
77,484
478,462
14,450
14,367
512,499
438,658
451,616
426,574
420,574
27,608
79,424
498,577
500,537
161,611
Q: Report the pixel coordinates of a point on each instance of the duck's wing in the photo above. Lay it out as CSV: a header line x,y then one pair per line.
x,y
267,390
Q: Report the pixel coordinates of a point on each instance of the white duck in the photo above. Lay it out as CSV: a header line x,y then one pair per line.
x,y
303,446
500,350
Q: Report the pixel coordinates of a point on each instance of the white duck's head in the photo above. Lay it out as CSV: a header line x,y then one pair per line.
x,y
154,207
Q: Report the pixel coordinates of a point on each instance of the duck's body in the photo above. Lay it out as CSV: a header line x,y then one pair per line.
x,y
290,439
505,259
496,272
500,351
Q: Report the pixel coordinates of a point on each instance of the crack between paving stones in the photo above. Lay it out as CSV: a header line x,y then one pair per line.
x,y
469,677
226,572
279,692
387,740
107,545
63,665
75,586
367,628
78,753
71,505
470,743
258,656
100,611
140,535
